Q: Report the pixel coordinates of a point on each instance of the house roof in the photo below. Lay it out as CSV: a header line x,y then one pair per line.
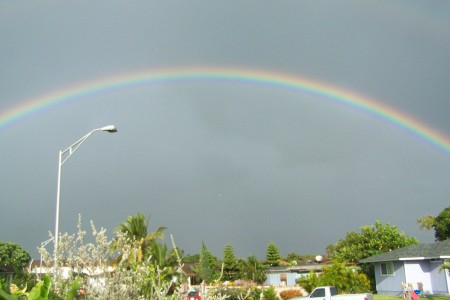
x,y
413,252
188,268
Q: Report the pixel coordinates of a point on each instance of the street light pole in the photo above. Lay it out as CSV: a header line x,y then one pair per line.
x,y
63,156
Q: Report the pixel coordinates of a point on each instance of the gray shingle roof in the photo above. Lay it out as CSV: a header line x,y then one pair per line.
x,y
419,251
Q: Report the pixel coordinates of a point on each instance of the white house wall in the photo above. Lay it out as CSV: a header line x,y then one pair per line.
x,y
419,271
275,279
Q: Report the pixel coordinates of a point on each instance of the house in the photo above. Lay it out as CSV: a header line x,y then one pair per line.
x,y
287,275
416,264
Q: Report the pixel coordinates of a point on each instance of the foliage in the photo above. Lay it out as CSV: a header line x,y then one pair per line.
x,y
135,228
206,270
253,270
445,265
39,292
234,293
346,279
231,266
310,282
372,240
12,254
270,294
441,224
23,278
330,249
293,258
272,254
194,258
122,278
165,260
288,294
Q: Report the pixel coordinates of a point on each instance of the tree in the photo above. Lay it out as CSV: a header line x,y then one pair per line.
x,y
135,228
12,254
206,269
191,258
372,240
230,264
441,224
293,258
272,254
165,260
253,270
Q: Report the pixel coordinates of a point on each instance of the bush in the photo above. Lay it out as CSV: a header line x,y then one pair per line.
x,y
270,294
346,279
235,293
130,278
288,294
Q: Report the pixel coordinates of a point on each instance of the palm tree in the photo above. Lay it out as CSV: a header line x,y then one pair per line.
x,y
166,260
135,228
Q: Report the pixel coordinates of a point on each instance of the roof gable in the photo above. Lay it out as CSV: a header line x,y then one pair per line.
x,y
413,252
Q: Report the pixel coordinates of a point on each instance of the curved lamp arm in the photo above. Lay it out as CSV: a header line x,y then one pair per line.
x,y
72,148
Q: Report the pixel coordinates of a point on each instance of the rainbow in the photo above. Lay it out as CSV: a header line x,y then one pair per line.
x,y
256,77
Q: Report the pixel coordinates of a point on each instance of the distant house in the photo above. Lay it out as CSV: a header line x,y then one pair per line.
x,y
415,264
287,276
188,270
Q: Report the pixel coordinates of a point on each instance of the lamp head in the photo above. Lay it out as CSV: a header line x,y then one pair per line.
x,y
109,128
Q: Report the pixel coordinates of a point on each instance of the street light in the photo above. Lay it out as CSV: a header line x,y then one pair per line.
x,y
63,156
43,244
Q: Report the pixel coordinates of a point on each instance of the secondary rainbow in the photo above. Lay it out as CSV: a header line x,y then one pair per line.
x,y
230,75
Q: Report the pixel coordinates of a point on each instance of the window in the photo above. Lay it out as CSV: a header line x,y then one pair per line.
x,y
317,293
387,269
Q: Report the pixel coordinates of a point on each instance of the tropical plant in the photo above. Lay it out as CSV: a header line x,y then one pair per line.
x,y
253,270
270,294
119,278
347,279
135,228
168,261
310,282
39,292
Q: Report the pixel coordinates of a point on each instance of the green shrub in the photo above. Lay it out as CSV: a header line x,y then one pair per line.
x,y
270,294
